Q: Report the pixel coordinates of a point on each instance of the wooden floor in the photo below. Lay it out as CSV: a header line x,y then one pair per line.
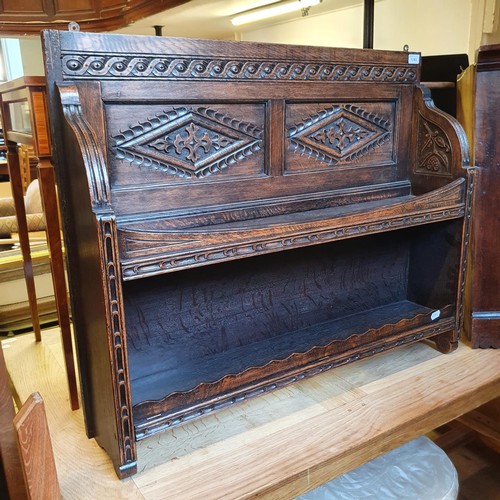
x,y
478,471
476,459
278,445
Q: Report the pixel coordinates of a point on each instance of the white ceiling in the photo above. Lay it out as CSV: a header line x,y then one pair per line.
x,y
212,18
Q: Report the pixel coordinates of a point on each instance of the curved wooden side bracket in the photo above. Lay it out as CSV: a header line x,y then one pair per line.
x,y
86,137
442,148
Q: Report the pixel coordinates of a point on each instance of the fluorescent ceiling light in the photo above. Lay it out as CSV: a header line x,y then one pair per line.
x,y
276,10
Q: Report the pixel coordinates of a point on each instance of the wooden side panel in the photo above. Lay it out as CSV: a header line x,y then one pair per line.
x,y
93,330
483,322
35,449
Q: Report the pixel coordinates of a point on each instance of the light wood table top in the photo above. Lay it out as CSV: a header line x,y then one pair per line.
x,y
277,445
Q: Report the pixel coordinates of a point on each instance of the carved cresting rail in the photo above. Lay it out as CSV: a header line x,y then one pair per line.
x,y
240,216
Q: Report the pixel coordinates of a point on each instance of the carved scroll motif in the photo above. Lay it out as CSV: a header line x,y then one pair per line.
x,y
434,150
188,142
339,134
85,65
117,341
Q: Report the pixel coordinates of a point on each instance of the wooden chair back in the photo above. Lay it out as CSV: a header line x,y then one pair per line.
x,y
27,466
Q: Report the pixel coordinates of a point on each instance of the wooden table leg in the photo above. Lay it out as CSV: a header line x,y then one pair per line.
x,y
22,224
48,193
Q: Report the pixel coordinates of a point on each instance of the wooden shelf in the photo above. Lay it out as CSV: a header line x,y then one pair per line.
x,y
219,334
278,445
170,376
157,246
370,193
182,372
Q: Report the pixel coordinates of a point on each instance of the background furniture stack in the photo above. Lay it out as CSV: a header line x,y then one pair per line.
x,y
25,121
479,110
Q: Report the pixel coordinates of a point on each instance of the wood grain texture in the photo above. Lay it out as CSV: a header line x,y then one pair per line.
x,y
11,470
50,207
278,445
101,15
40,367
35,449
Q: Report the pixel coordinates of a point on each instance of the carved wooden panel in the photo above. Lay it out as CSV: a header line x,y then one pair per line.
x,y
434,150
185,143
339,135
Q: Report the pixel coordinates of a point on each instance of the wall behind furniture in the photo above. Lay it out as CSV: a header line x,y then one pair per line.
x,y
340,28
31,53
427,26
21,56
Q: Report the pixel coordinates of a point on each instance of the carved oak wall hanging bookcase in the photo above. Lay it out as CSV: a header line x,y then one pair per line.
x,y
239,216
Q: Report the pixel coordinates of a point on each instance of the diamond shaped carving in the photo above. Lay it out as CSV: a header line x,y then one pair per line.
x,y
339,134
188,142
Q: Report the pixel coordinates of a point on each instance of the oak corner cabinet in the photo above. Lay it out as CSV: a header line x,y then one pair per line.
x,y
240,216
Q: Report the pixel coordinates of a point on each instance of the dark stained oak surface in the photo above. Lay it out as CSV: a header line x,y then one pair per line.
x,y
240,216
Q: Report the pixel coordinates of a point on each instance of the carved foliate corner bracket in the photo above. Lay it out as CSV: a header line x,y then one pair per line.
x,y
441,147
434,149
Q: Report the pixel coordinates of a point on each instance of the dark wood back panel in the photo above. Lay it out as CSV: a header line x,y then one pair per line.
x,y
203,146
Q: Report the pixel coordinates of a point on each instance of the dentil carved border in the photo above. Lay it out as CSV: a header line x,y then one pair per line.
x,y
273,245
471,174
117,340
